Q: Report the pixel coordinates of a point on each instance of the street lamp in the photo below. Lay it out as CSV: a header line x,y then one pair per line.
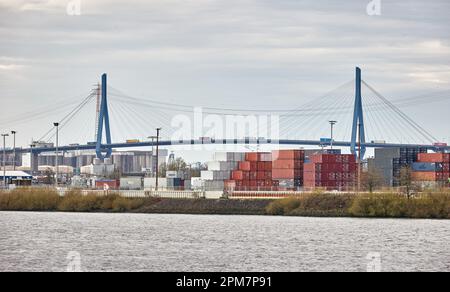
x,y
332,123
57,142
4,159
14,149
31,159
153,152
158,130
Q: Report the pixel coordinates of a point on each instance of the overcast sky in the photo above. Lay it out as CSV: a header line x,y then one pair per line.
x,y
233,53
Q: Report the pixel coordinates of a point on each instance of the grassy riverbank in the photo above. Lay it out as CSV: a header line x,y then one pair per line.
x,y
434,205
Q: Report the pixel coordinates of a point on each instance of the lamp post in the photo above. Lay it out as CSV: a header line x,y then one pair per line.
x,y
4,159
57,142
153,152
31,159
158,130
332,123
14,149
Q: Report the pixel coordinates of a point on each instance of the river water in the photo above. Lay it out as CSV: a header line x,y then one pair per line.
x,y
183,243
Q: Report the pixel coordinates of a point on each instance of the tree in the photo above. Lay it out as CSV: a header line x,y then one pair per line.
x,y
406,179
177,165
196,171
371,179
162,170
180,165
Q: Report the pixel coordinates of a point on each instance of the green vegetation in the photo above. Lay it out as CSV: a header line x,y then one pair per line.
x,y
35,199
429,205
435,205
30,200
316,204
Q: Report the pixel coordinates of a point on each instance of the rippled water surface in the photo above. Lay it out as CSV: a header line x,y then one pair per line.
x,y
135,242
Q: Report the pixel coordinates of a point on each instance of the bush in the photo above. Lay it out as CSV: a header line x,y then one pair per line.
x,y
315,204
29,199
121,204
430,205
283,206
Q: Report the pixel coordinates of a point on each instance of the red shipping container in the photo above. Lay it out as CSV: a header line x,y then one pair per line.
x,y
287,164
230,184
288,155
253,166
251,157
107,184
264,166
258,156
286,174
264,175
237,175
446,167
424,176
433,157
253,175
333,158
245,165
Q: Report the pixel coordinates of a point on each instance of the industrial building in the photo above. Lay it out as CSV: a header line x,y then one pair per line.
x,y
18,178
124,162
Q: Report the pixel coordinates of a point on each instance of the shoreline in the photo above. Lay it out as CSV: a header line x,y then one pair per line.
x,y
426,206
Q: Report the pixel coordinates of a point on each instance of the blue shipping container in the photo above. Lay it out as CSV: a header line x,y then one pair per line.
x,y
431,167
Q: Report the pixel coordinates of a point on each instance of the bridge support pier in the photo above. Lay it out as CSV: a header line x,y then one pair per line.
x,y
358,132
103,120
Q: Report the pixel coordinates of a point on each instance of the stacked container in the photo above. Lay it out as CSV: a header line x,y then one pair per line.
x,y
408,156
219,171
432,168
331,171
287,168
253,174
178,180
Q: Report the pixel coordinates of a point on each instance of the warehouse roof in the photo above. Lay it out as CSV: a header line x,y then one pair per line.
x,y
16,174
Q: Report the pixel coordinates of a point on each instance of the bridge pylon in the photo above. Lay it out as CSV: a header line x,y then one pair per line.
x,y
103,120
358,132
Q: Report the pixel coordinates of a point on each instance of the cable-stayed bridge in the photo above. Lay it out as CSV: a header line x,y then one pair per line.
x,y
365,118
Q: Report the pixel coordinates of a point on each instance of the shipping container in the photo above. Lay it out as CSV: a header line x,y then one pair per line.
x,y
286,174
107,184
228,156
258,156
131,183
427,166
434,157
215,175
287,164
288,155
132,141
425,176
245,166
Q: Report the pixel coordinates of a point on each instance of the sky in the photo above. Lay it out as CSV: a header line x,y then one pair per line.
x,y
219,53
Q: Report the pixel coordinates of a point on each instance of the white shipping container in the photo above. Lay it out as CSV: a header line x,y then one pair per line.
x,y
239,156
229,156
214,185
266,157
215,175
150,182
187,185
222,165
197,183
131,183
